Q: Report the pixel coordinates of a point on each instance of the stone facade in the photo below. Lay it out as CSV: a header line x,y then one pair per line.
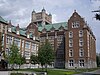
x,y
72,41
26,41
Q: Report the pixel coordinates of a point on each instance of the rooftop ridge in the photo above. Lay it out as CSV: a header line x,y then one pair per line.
x,y
2,20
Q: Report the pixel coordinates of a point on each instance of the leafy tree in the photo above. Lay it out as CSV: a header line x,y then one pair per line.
x,y
34,59
46,54
13,55
98,59
20,60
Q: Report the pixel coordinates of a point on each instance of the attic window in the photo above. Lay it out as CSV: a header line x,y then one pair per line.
x,y
52,29
44,30
75,24
61,28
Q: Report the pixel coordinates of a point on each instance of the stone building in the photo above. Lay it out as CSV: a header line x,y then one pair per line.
x,y
72,41
25,38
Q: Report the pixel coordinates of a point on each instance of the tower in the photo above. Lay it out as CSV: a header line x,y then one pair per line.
x,y
41,18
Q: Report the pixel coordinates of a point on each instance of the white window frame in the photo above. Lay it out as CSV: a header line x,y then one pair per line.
x,y
81,63
81,42
81,52
70,34
70,52
75,24
80,33
71,63
70,42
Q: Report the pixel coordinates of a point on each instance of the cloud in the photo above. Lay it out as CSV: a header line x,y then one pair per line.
x,y
54,18
19,11
95,4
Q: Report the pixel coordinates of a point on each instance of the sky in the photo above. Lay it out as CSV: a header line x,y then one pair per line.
x,y
19,12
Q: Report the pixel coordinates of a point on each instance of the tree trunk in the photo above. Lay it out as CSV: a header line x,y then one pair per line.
x,y
46,67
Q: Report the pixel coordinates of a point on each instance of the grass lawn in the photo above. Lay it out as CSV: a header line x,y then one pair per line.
x,y
51,71
58,71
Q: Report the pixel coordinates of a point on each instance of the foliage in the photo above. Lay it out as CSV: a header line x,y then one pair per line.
x,y
98,59
20,60
15,56
34,59
46,54
52,71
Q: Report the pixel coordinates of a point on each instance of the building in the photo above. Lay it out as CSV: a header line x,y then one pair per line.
x,y
25,38
41,17
72,41
80,42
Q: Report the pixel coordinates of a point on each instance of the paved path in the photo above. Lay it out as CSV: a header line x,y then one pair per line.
x,y
4,73
96,72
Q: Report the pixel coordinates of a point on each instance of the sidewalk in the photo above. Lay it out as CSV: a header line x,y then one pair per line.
x,y
96,72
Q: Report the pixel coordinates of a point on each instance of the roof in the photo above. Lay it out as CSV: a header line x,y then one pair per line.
x,y
2,20
21,31
55,25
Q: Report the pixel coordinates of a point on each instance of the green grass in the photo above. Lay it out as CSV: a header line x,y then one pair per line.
x,y
51,71
58,71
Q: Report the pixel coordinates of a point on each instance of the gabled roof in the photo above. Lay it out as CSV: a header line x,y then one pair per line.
x,y
55,25
21,31
2,20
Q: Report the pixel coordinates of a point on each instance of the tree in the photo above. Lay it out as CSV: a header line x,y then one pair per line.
x,y
14,55
98,59
34,59
46,54
20,60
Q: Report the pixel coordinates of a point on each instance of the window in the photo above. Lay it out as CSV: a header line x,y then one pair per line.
x,y
7,51
22,43
3,39
70,42
70,34
71,63
60,38
17,41
42,39
51,38
75,24
80,33
27,54
70,53
9,39
81,42
27,45
33,47
81,52
81,63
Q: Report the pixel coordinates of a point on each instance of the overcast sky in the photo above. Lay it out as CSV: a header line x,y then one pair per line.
x,y
19,11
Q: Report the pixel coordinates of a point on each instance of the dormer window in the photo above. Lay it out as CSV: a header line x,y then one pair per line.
x,y
18,32
9,29
61,28
75,24
52,29
28,36
44,30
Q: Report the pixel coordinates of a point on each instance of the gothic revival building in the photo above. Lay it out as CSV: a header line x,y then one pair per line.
x,y
72,41
25,38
